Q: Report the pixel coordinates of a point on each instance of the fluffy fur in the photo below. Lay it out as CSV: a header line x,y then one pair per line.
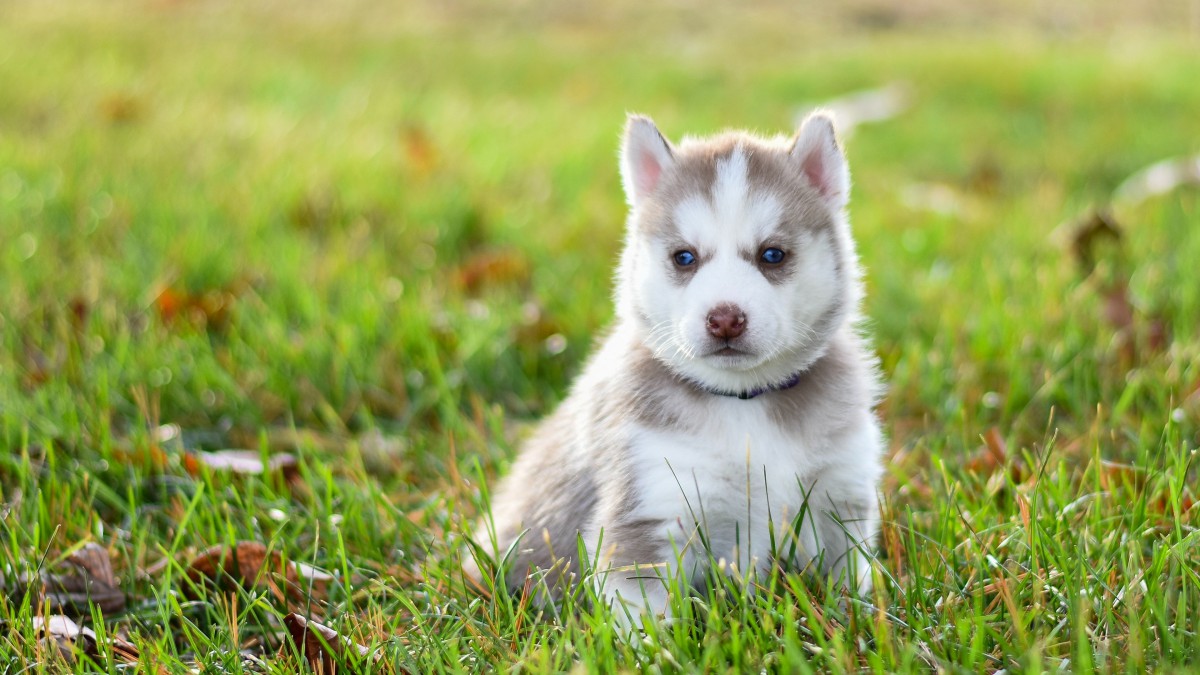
x,y
653,453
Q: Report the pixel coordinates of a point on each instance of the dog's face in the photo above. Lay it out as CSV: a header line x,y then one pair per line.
x,y
738,263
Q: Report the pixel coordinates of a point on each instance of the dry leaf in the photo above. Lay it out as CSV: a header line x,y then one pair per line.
x,y
316,211
210,309
1116,474
1158,179
250,564
938,198
78,593
66,634
861,107
492,268
321,646
985,176
94,559
1118,310
246,462
993,457
92,585
121,108
1088,233
79,311
70,636
418,148
1162,503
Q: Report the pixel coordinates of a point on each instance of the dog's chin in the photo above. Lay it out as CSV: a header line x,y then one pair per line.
x,y
731,357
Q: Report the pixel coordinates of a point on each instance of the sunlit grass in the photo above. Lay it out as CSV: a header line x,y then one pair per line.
x,y
382,242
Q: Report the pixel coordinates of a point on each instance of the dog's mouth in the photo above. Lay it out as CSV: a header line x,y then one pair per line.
x,y
728,351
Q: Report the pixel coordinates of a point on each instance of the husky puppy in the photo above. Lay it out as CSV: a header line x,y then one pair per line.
x,y
730,407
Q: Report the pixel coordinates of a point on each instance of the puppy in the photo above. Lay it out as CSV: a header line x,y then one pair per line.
x,y
731,406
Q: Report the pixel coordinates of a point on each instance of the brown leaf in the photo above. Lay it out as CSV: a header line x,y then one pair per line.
x,y
92,585
121,108
70,636
94,560
1116,474
245,462
316,211
321,646
66,634
249,564
1161,503
209,309
992,456
985,176
1118,310
78,593
419,150
492,268
79,311
1158,335
1088,233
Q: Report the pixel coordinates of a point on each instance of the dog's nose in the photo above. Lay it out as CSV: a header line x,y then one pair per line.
x,y
726,322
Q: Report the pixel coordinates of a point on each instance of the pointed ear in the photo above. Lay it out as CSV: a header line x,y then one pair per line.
x,y
817,153
645,156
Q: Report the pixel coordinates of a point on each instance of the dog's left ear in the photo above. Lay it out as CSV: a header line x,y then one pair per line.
x,y
820,158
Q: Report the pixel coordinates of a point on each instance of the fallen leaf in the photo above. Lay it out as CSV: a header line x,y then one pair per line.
x,y
936,198
419,149
79,311
1162,502
121,108
91,585
94,559
1158,179
245,462
66,634
249,564
492,268
79,593
985,176
71,637
993,457
208,309
316,211
322,647
1118,310
862,107
1115,474
1088,233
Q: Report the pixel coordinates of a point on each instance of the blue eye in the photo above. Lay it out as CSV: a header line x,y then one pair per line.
x,y
685,258
772,256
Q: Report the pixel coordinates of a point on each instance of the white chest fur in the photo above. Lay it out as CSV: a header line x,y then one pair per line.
x,y
740,481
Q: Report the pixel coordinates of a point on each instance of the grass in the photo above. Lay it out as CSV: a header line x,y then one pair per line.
x,y
382,242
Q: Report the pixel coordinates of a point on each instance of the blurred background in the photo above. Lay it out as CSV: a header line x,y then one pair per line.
x,y
383,225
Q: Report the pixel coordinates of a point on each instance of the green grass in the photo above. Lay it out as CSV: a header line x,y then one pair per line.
x,y
388,237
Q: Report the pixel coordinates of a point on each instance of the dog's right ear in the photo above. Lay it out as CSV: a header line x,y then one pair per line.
x,y
645,155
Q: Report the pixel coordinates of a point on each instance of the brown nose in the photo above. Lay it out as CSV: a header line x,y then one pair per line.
x,y
726,322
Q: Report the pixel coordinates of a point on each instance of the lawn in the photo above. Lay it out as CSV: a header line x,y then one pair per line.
x,y
368,247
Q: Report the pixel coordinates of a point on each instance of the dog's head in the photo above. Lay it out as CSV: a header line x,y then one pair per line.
x,y
738,263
